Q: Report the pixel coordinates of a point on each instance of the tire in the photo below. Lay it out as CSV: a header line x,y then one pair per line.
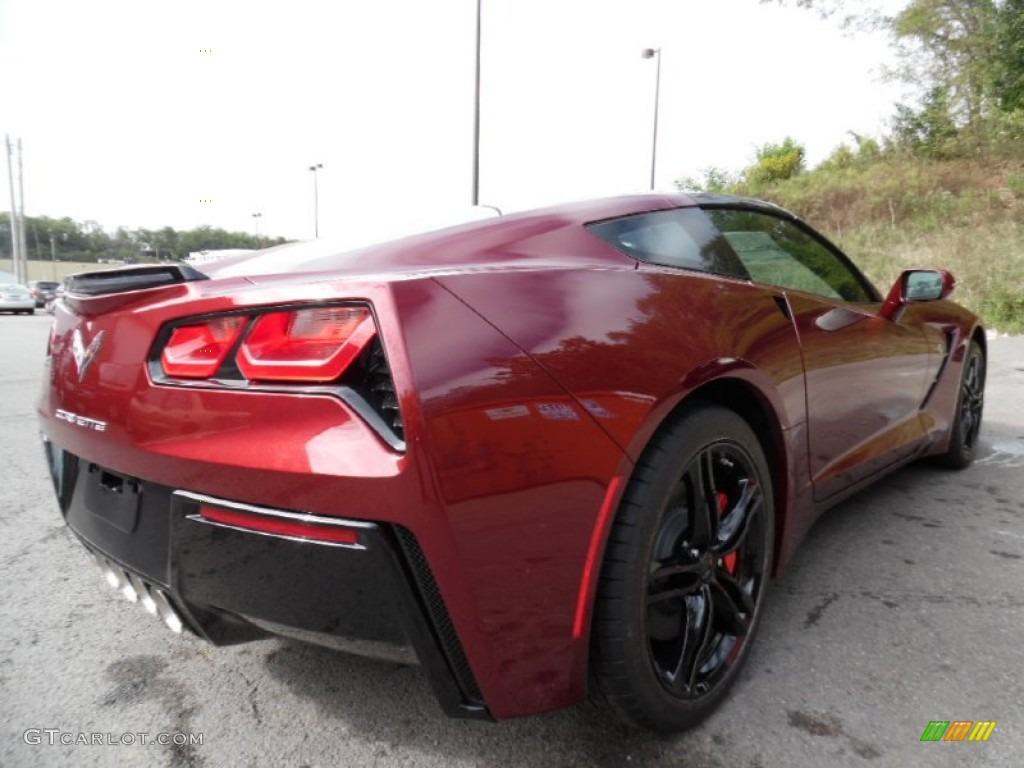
x,y
675,601
970,403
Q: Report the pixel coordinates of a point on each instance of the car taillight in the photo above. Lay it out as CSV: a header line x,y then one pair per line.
x,y
314,345
197,351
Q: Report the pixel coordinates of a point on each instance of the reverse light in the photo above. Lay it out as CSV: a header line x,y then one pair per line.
x,y
312,345
291,527
197,351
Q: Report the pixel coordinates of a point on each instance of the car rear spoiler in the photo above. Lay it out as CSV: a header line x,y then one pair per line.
x,y
131,279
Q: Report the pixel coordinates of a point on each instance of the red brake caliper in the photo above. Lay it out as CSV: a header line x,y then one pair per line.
x,y
729,561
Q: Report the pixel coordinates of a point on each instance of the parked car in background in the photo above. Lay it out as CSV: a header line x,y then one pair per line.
x,y
52,303
16,298
43,291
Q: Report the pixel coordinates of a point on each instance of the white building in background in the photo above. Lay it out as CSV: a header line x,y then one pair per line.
x,y
205,257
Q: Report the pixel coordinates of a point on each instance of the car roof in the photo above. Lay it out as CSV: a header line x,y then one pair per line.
x,y
534,237
736,201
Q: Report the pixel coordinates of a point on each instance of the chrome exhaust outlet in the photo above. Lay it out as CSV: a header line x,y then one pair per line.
x,y
135,590
143,592
166,611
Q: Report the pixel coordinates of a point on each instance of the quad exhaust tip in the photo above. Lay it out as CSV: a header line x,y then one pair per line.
x,y
135,590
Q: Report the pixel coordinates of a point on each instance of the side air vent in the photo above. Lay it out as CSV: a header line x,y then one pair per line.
x,y
379,389
131,279
441,619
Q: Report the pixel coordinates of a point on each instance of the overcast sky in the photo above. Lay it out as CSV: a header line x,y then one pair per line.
x,y
126,119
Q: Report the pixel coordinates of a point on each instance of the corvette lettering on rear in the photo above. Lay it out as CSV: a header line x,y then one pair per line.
x,y
81,421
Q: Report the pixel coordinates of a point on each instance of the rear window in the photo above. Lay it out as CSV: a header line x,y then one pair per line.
x,y
682,237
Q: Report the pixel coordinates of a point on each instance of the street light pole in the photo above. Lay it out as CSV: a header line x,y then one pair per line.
x,y
21,216
15,232
652,53
476,114
316,200
53,256
256,223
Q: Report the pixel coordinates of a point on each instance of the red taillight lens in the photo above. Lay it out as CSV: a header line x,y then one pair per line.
x,y
197,351
280,526
313,345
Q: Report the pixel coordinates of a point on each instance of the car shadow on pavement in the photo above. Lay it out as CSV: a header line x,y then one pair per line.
x,y
393,706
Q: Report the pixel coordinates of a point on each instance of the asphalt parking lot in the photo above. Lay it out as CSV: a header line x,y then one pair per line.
x,y
904,605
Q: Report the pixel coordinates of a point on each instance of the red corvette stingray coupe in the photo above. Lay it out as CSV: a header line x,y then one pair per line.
x,y
544,455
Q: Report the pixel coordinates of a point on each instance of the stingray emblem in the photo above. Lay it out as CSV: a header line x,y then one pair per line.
x,y
85,355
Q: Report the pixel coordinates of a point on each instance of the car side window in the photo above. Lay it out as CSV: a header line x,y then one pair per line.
x,y
779,252
681,237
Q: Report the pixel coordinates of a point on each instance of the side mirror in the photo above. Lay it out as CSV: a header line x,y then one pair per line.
x,y
917,285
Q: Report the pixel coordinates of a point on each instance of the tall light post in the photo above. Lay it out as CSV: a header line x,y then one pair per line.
x,y
21,216
256,226
15,231
316,200
476,114
53,256
654,53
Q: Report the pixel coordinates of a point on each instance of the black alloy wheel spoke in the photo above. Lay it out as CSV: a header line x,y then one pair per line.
x,y
696,633
700,477
733,528
670,582
733,605
967,425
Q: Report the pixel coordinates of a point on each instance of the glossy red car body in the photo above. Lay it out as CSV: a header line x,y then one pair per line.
x,y
532,363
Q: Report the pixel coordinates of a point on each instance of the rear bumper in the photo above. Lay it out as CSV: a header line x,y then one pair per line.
x,y
229,585
17,306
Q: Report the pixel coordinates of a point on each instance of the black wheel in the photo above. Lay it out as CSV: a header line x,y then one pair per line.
x,y
970,402
685,572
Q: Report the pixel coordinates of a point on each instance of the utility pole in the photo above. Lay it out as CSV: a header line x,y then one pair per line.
x,y
21,217
316,200
15,237
654,53
256,226
476,114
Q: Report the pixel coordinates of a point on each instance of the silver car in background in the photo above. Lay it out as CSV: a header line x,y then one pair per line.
x,y
16,298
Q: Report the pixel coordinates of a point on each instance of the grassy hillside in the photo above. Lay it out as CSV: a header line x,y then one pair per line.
x,y
891,213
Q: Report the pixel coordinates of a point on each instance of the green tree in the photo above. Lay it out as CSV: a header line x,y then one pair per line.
x,y
867,148
97,241
713,180
776,162
929,131
841,157
87,241
1008,81
966,56
949,46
